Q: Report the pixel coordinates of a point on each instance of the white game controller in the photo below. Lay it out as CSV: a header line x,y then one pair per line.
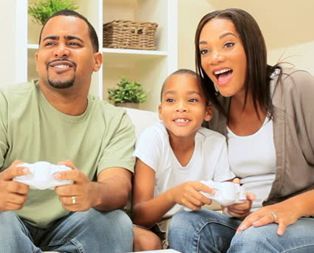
x,y
41,175
225,193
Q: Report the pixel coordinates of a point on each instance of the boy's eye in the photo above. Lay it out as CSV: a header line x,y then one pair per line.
x,y
169,100
193,100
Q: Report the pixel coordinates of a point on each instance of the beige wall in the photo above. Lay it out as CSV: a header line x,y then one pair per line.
x,y
300,56
189,14
286,25
288,31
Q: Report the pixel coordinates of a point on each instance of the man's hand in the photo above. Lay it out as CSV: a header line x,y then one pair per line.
x,y
13,194
79,195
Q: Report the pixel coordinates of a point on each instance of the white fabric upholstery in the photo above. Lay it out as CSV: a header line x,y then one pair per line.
x,y
141,119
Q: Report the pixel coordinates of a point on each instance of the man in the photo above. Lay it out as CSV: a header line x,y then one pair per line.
x,y
55,120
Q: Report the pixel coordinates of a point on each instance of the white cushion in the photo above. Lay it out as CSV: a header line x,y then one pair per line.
x,y
141,119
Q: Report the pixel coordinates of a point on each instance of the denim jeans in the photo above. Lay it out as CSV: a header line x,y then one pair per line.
x,y
209,231
90,231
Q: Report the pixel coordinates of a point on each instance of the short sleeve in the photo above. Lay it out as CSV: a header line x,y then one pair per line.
x,y
148,147
118,144
3,129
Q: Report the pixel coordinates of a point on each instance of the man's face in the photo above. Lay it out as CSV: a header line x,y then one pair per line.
x,y
65,57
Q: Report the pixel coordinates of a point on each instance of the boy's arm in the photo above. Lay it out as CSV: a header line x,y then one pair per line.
x,y
148,210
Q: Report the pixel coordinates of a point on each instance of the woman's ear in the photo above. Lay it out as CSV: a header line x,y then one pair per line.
x,y
208,113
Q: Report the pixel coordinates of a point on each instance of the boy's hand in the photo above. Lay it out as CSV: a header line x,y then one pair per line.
x,y
242,209
189,195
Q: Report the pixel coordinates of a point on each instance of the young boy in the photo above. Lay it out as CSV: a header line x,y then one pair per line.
x,y
173,156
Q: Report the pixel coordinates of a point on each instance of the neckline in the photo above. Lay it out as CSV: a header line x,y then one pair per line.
x,y
266,121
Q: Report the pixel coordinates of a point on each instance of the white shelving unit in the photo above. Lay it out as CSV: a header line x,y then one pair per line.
x,y
149,67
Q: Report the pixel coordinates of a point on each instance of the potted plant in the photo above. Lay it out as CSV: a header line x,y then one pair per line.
x,y
41,10
127,94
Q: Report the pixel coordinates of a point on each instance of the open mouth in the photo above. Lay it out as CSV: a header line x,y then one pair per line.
x,y
223,75
181,120
61,65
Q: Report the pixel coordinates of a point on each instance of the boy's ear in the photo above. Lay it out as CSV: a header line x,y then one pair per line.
x,y
159,111
208,113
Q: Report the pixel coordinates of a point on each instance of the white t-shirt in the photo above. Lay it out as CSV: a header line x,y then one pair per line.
x,y
209,159
253,159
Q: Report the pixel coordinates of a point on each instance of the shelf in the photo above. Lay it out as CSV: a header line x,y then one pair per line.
x,y
149,67
115,51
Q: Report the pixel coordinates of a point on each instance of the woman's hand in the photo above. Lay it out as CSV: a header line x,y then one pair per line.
x,y
189,195
241,210
280,213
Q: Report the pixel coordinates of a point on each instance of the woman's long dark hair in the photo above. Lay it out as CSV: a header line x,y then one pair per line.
x,y
258,72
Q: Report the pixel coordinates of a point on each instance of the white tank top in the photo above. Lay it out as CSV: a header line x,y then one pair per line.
x,y
253,159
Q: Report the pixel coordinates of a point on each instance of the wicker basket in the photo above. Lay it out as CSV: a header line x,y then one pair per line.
x,y
130,34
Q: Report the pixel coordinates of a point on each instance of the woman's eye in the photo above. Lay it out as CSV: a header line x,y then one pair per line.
x,y
203,51
229,44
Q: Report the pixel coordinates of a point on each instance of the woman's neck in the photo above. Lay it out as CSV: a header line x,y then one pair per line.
x,y
243,118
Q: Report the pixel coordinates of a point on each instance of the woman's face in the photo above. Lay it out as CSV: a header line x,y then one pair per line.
x,y
223,57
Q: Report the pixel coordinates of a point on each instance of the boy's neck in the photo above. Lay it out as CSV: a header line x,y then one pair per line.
x,y
183,148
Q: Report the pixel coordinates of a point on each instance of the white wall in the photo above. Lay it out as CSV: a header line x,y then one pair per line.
x,y
7,59
11,33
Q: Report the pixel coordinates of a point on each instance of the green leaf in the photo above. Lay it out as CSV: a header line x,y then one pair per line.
x,y
127,92
41,10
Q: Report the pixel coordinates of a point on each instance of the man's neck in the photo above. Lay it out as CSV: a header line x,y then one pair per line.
x,y
67,101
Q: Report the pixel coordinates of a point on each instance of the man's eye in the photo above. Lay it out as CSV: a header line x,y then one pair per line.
x,y
74,44
49,43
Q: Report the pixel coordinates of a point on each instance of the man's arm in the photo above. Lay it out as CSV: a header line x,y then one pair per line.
x,y
109,192
114,187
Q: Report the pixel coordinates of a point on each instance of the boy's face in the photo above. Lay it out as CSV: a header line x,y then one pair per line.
x,y
183,107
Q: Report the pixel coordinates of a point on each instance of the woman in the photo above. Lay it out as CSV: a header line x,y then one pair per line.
x,y
266,114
